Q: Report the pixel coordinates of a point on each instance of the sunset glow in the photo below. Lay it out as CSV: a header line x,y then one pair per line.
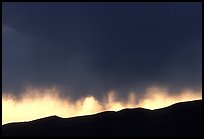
x,y
39,103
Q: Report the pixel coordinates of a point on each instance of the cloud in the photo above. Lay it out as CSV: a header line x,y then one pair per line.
x,y
93,49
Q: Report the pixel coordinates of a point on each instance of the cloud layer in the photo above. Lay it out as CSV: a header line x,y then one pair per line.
x,y
92,49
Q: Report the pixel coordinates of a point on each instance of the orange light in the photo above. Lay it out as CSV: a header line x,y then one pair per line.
x,y
39,103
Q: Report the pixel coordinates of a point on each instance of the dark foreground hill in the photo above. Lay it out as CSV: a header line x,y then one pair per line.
x,y
181,119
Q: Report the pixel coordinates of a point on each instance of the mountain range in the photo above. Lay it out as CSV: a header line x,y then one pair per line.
x,y
182,119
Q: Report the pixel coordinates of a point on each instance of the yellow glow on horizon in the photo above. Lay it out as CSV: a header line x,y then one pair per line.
x,y
157,98
39,103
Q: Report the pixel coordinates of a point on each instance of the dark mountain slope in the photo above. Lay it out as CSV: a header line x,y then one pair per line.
x,y
181,119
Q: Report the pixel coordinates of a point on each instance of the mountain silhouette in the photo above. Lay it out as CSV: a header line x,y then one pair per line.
x,y
182,119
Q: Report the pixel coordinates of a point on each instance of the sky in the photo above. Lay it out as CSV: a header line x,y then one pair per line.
x,y
88,57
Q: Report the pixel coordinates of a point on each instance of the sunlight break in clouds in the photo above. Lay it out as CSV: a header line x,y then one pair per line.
x,y
39,103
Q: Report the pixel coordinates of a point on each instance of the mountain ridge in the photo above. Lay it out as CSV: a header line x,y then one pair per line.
x,y
180,119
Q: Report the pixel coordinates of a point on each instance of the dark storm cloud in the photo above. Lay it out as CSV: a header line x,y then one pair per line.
x,y
92,48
